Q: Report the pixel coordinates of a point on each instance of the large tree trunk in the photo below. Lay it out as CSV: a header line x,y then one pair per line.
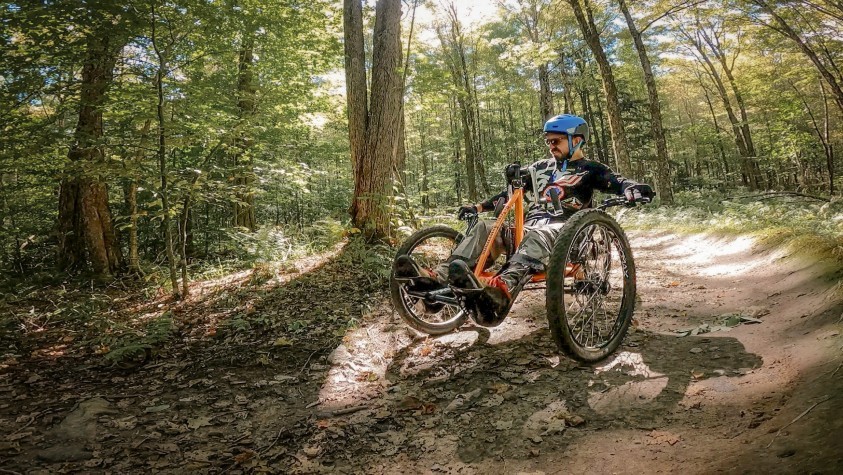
x,y
662,164
613,108
244,179
373,183
85,227
356,89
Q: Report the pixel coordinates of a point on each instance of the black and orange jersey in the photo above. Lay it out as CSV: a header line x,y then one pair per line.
x,y
575,180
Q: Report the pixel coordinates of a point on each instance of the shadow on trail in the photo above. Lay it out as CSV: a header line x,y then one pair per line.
x,y
317,373
231,387
505,401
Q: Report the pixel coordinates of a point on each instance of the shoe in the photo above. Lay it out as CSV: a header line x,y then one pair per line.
x,y
491,301
418,279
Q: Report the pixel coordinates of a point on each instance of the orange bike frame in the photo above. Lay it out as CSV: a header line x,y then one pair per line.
x,y
514,203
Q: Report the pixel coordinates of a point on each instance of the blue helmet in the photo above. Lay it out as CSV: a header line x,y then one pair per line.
x,y
569,125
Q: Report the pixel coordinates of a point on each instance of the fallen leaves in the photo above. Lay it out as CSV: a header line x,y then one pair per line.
x,y
411,403
126,423
244,456
200,421
283,341
727,321
158,408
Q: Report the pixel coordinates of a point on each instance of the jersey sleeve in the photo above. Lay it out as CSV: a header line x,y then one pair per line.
x,y
489,204
608,181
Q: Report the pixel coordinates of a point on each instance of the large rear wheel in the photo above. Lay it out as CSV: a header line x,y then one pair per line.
x,y
428,247
590,286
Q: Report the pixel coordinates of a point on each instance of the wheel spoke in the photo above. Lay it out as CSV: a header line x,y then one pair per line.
x,y
597,297
429,252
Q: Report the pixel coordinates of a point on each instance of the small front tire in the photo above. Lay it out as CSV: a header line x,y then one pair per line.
x,y
428,247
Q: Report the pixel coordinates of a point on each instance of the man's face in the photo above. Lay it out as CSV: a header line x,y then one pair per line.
x,y
557,144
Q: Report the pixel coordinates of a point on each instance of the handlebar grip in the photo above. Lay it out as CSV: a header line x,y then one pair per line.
x,y
554,198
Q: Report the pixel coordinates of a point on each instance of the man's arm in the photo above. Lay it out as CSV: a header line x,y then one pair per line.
x,y
489,204
608,181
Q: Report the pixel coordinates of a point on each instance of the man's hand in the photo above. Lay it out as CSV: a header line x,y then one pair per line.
x,y
636,192
466,210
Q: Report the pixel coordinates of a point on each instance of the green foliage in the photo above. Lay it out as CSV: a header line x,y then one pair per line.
x,y
279,244
374,261
136,346
293,147
294,45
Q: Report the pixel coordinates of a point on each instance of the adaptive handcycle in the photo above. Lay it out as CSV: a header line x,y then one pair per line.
x,y
589,279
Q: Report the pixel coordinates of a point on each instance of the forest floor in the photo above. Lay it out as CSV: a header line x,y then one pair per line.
x,y
273,375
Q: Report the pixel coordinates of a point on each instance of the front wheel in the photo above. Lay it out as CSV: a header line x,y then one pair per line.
x,y
429,248
590,286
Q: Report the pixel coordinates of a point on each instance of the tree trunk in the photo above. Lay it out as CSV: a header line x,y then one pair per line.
x,y
373,183
717,131
603,143
131,193
740,139
162,160
828,147
399,162
751,164
453,49
822,131
424,186
85,227
589,117
244,179
452,122
470,162
479,156
662,164
620,145
568,87
545,94
356,92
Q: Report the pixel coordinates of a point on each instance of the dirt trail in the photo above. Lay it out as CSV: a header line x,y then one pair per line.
x,y
482,401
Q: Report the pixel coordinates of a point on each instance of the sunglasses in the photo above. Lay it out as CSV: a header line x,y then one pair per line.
x,y
554,142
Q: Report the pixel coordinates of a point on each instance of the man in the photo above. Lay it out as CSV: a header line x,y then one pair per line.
x,y
568,172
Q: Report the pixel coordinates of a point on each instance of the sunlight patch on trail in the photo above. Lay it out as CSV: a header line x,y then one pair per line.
x,y
637,393
708,255
359,366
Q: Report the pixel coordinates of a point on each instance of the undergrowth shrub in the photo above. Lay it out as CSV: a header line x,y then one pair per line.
x,y
134,347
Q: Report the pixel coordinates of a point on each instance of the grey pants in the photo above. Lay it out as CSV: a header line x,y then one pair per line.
x,y
531,255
